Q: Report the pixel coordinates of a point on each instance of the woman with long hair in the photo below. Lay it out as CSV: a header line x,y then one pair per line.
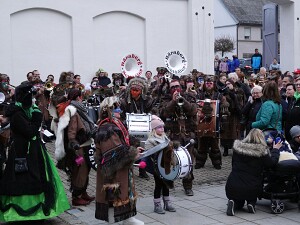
x,y
270,113
250,156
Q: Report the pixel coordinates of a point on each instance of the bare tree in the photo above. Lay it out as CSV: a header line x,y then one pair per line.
x,y
224,44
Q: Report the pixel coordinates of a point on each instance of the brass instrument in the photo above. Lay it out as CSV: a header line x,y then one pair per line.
x,y
80,87
49,86
179,100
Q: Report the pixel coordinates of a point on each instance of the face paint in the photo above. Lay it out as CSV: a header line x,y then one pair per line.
x,y
4,85
175,87
94,85
135,93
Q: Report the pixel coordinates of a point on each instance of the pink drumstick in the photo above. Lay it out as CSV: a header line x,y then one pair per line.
x,y
141,165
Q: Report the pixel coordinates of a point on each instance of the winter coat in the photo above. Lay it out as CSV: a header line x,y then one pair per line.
x,y
269,116
248,161
116,186
292,117
26,144
167,154
256,61
250,111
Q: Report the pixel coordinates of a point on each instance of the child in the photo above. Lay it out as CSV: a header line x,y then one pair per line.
x,y
158,136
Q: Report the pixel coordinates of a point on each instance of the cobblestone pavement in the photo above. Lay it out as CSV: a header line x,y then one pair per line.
x,y
205,176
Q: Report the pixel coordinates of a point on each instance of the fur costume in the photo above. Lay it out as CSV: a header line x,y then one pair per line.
x,y
137,81
58,128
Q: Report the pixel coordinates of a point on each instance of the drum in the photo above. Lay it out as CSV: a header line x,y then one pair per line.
x,y
182,167
89,157
138,125
208,121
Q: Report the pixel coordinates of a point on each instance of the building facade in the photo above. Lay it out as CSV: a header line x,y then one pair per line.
x,y
83,36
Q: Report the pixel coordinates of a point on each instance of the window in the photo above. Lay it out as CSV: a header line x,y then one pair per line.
x,y
247,33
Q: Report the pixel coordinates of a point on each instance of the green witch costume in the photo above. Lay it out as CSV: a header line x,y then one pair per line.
x,y
30,188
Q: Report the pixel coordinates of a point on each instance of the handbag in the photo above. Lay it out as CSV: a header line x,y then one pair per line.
x,y
21,165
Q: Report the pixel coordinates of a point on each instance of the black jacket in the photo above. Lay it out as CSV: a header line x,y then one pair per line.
x,y
248,162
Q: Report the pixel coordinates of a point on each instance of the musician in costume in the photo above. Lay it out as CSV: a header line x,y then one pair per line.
x,y
115,188
136,101
6,88
208,144
30,188
230,127
180,124
119,86
156,137
73,128
103,78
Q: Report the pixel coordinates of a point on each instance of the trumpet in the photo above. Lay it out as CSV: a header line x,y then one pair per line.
x,y
179,100
80,87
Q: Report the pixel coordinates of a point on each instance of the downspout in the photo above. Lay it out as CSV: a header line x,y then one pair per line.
x,y
237,40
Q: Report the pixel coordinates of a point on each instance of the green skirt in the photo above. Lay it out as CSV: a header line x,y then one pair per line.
x,y
34,203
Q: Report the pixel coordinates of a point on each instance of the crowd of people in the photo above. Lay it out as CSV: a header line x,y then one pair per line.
x,y
227,111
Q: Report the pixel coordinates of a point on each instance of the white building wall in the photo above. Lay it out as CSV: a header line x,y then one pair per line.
x,y
83,36
289,36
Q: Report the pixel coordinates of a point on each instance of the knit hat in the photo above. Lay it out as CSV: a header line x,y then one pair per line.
x,y
156,121
295,131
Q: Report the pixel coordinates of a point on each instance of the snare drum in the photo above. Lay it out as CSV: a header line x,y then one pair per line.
x,y
138,125
182,167
208,125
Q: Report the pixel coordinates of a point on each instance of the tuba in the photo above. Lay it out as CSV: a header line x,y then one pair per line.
x,y
175,62
131,66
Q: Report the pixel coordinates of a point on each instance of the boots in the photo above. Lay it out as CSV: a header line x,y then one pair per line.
x,y
225,153
77,201
167,204
87,197
157,206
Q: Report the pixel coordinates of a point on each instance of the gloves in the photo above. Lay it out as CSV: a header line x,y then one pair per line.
x,y
75,146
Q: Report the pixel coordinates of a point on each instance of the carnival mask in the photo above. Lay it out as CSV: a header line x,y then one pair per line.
x,y
135,92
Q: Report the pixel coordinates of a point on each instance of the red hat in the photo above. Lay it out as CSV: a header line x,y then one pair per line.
x,y
297,71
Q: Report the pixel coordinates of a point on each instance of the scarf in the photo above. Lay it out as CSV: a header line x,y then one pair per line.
x,y
30,110
120,125
87,121
297,95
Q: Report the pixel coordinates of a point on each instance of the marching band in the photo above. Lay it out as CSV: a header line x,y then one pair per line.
x,y
106,119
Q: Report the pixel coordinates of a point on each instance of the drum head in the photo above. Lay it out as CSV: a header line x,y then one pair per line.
x,y
175,170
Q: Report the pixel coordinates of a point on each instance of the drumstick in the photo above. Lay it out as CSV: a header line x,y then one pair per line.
x,y
141,165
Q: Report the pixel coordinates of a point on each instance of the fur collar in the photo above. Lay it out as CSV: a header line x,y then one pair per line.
x,y
250,149
60,126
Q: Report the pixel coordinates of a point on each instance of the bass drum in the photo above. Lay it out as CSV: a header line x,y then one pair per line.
x,y
89,157
208,125
183,165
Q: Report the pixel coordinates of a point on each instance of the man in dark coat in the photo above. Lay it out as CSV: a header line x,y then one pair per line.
x,y
180,120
